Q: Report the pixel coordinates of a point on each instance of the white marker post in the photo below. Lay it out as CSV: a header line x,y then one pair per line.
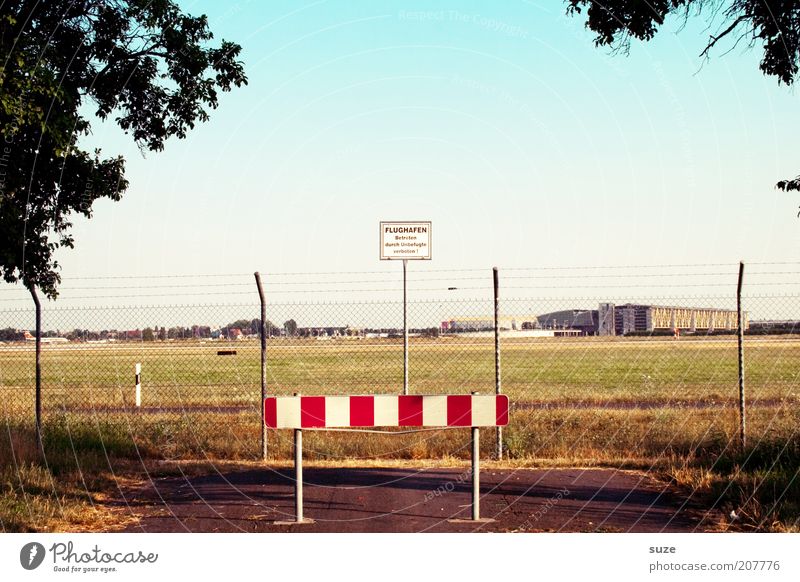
x,y
138,385
405,241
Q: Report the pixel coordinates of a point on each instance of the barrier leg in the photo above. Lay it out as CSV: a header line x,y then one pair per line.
x,y
476,483
298,483
476,473
298,475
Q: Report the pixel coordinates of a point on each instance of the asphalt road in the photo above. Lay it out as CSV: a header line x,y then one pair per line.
x,y
409,500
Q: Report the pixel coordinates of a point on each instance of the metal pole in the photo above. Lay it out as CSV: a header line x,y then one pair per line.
x,y
263,329
38,420
740,335
298,475
405,330
138,371
498,388
476,473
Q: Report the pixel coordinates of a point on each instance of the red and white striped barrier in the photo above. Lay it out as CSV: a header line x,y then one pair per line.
x,y
385,410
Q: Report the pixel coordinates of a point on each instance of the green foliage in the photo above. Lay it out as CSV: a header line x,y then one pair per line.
x,y
775,25
250,326
145,63
10,334
772,24
290,326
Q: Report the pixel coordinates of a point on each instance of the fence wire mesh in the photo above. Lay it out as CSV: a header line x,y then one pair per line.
x,y
623,373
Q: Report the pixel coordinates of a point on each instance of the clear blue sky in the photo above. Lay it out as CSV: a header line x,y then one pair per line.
x,y
523,143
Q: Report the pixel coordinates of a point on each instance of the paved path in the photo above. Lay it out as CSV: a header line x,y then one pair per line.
x,y
409,500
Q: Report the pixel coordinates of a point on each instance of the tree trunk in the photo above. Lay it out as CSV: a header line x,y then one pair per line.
x,y
38,368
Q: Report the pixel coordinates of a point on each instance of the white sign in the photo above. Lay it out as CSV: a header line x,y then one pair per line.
x,y
405,240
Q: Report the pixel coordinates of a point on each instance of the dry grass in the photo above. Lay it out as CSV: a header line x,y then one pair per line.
x,y
90,454
751,499
67,489
86,463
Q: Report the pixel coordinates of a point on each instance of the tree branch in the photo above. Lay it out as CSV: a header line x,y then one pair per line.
x,y
143,53
721,35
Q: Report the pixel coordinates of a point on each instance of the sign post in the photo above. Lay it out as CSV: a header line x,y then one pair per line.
x,y
498,388
405,241
405,327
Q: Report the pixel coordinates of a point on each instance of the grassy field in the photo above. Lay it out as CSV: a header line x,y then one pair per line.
x,y
639,408
549,370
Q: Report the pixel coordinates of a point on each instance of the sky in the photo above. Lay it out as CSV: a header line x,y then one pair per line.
x,y
523,143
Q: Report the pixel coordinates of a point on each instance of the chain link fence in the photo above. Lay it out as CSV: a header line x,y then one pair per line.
x,y
622,374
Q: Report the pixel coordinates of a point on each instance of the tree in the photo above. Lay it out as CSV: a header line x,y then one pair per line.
x,y
76,334
143,62
254,327
290,327
10,334
148,335
774,25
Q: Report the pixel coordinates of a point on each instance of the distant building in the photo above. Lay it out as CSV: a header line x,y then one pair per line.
x,y
631,317
467,324
777,326
330,331
608,319
131,334
486,323
611,319
605,319
584,321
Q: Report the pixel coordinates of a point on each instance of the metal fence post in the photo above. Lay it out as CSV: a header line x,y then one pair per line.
x,y
498,388
263,334
38,420
740,337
